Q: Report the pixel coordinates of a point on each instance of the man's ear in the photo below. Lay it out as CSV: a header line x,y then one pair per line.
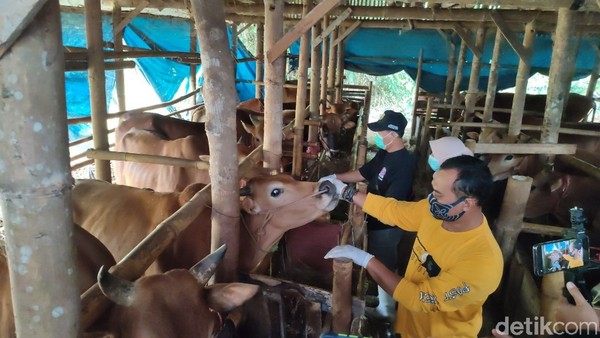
x,y
470,202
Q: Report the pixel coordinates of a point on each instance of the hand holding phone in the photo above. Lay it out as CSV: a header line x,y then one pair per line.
x,y
579,313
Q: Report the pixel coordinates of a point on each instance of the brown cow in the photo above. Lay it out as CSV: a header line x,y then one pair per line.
x,y
122,216
555,193
173,304
154,134
91,255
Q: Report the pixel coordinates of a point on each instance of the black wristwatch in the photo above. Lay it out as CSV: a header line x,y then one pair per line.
x,y
349,193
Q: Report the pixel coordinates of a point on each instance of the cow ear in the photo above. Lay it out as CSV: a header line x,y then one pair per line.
x,y
249,206
556,184
226,297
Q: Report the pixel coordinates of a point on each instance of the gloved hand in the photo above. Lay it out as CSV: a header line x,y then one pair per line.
x,y
339,185
357,255
327,178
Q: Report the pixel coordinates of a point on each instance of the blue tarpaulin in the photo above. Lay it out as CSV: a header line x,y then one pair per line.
x,y
371,51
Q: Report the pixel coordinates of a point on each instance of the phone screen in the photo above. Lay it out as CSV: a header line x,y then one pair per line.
x,y
560,255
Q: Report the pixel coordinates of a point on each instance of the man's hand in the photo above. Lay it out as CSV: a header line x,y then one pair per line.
x,y
327,178
578,314
357,255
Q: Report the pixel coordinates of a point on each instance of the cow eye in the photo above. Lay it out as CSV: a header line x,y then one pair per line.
x,y
508,158
276,192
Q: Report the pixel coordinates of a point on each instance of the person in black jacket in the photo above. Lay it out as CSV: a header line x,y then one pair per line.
x,y
390,173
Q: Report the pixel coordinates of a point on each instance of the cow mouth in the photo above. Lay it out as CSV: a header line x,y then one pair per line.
x,y
327,188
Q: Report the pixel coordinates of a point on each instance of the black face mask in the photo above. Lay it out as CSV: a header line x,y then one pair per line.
x,y
440,211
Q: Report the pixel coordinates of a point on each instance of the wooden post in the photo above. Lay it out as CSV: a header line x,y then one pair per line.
x,y
119,74
273,86
492,79
473,89
315,80
35,181
424,144
324,65
341,302
594,76
260,51
193,68
331,68
457,79
413,123
234,47
361,157
339,87
97,81
510,220
301,96
518,104
219,87
562,55
450,74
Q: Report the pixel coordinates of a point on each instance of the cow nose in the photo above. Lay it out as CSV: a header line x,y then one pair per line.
x,y
327,187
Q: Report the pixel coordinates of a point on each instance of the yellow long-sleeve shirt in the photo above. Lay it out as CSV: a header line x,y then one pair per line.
x,y
449,302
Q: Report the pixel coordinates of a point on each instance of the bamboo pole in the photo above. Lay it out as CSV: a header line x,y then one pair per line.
x,y
457,79
332,66
35,181
562,55
413,123
518,104
450,74
193,69
341,302
97,82
219,87
144,158
274,78
424,144
510,220
473,90
324,66
315,80
118,47
301,96
260,48
493,79
339,86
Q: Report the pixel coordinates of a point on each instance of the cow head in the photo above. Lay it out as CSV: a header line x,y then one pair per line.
x,y
173,304
547,189
333,129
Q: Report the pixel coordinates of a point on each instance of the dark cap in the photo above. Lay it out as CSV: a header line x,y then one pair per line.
x,y
391,120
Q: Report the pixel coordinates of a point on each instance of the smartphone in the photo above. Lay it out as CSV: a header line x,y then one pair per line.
x,y
560,255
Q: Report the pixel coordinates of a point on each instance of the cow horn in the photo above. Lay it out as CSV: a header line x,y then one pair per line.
x,y
116,289
245,191
204,269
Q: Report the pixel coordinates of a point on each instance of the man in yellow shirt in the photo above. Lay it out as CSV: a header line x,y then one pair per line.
x,y
455,263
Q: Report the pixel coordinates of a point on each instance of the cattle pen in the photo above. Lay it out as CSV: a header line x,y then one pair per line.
x,y
541,149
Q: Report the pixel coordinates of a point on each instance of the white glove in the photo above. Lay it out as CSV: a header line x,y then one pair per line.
x,y
327,178
357,255
339,185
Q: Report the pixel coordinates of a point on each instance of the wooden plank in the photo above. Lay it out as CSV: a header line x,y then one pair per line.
x,y
305,24
335,24
138,9
347,32
525,148
15,18
510,36
465,35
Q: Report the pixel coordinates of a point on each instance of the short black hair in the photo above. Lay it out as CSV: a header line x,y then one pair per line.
x,y
474,178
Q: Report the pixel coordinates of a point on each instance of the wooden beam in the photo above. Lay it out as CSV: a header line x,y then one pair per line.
x,y
15,18
347,32
335,24
522,148
465,35
510,36
138,9
305,24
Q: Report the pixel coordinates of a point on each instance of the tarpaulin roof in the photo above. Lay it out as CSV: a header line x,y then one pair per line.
x,y
371,51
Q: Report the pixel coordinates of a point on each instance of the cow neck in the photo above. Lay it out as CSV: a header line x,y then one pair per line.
x,y
256,227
